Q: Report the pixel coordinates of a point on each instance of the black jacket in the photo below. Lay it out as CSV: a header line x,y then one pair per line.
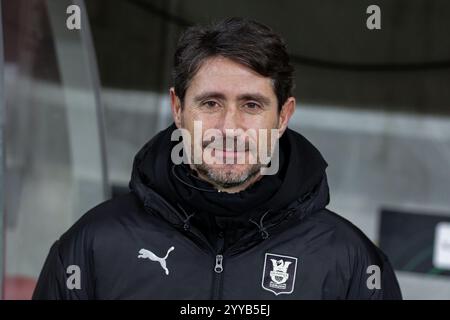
x,y
174,237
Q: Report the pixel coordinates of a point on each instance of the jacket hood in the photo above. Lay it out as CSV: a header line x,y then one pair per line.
x,y
299,188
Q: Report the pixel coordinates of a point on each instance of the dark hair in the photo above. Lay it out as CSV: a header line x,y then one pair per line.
x,y
247,42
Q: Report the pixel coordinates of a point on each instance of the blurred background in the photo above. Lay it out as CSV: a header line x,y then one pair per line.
x,y
76,105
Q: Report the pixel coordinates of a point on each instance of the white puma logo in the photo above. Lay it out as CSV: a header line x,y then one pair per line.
x,y
147,254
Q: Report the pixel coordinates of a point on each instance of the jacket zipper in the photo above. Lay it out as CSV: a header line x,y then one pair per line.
x,y
218,270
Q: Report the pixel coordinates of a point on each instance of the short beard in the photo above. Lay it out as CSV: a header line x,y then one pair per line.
x,y
226,179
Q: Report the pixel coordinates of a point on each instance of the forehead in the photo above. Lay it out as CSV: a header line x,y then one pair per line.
x,y
231,78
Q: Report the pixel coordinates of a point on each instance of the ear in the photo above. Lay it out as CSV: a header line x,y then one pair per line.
x,y
286,113
175,105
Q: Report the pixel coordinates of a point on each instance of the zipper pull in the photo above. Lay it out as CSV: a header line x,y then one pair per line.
x,y
219,267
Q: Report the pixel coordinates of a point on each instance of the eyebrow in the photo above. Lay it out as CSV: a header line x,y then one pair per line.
x,y
209,95
254,96
220,96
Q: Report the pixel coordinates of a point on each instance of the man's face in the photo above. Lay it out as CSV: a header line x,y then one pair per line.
x,y
225,95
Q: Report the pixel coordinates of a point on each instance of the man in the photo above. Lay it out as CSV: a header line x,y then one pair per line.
x,y
212,227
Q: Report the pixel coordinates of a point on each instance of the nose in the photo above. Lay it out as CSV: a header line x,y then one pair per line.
x,y
230,119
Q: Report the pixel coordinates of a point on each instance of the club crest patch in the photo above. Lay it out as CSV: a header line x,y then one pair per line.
x,y
279,273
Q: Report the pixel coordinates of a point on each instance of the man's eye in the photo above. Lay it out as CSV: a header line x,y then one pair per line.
x,y
252,105
210,104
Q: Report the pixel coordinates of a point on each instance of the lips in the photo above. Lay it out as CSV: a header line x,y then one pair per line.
x,y
235,153
227,153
